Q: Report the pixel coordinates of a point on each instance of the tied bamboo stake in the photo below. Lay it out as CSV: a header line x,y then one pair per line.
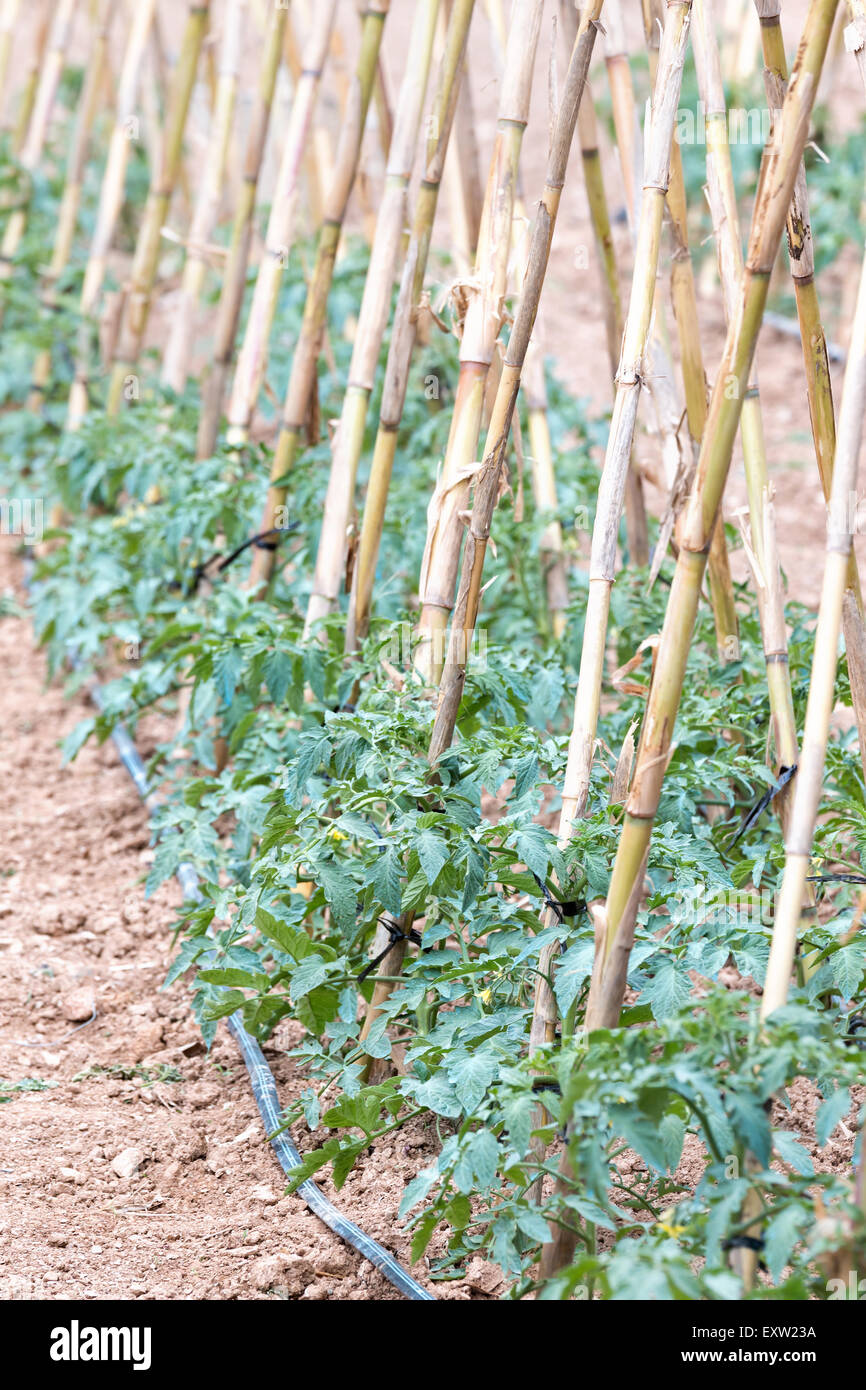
x,y
178,350
146,260
253,355
488,480
50,72
405,327
67,218
819,392
482,322
234,277
778,174
372,321
110,198
298,408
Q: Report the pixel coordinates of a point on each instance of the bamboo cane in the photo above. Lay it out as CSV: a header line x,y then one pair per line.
x,y
481,326
778,174
146,260
544,488
835,589
8,20
372,320
488,479
462,173
253,355
50,72
685,308
67,218
725,218
110,197
629,382
234,277
178,349
302,379
819,391
31,81
404,328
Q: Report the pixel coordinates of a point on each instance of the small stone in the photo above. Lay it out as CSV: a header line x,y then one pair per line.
x,y
127,1162
484,1276
58,1239
190,1145
264,1194
71,1175
201,1094
78,1005
265,1272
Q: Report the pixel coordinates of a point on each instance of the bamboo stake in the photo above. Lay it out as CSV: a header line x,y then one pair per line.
x,y
544,488
725,218
8,20
405,326
629,383
819,390
835,590
685,307
178,350
234,277
146,260
111,196
465,196
31,82
67,217
372,320
50,72
302,379
778,174
253,355
483,319
487,483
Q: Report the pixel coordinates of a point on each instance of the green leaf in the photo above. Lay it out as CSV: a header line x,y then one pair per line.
x,y
668,991
308,975
432,853
572,969
847,964
242,979
340,892
830,1112
793,1153
780,1238
384,876
471,1075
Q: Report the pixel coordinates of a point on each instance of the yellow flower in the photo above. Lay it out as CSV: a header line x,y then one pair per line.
x,y
336,834
665,1223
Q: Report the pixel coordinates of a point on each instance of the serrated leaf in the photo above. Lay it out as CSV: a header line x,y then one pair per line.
x,y
668,991
432,853
830,1112
471,1075
793,1153
383,876
780,1237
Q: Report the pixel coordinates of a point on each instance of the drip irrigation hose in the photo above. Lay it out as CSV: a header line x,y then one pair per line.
x,y
261,1078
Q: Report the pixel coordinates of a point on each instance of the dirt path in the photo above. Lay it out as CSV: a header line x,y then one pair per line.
x,y
201,1214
